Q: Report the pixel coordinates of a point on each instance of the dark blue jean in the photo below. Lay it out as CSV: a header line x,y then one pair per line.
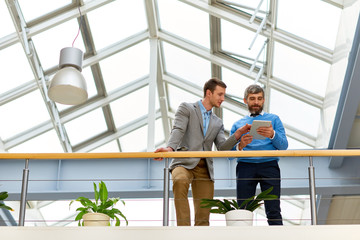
x,y
267,174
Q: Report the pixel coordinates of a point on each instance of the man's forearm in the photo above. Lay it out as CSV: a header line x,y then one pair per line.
x,y
228,144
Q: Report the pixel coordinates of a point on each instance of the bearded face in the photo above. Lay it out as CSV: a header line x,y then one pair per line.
x,y
255,103
255,108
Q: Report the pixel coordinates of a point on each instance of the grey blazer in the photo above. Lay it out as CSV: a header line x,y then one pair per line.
x,y
187,135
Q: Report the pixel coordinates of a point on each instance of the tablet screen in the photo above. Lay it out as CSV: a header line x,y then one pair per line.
x,y
255,125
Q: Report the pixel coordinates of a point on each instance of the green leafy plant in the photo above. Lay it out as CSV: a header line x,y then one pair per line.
x,y
102,204
3,196
225,205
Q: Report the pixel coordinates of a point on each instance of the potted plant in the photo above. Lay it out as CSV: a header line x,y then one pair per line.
x,y
102,207
236,215
3,196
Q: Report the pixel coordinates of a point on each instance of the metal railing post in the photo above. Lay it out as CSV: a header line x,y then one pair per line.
x,y
166,193
312,192
24,188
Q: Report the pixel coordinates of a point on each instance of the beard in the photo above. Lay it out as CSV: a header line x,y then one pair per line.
x,y
255,109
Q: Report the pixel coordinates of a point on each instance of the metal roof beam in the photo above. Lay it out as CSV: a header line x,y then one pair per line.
x,y
152,17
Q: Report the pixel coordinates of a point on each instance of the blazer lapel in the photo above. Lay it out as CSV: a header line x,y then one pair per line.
x,y
199,115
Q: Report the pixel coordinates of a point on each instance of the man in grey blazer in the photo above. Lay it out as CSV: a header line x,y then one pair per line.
x,y
196,128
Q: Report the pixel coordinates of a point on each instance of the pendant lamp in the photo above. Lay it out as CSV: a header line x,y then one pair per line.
x,y
68,85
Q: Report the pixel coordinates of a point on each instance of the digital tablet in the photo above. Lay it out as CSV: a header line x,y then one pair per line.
x,y
255,125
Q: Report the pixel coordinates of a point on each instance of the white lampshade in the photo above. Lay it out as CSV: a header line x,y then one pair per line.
x,y
68,85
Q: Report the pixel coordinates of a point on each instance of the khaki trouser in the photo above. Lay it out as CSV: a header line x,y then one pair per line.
x,y
201,186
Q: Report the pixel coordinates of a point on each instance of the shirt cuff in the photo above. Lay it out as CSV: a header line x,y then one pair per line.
x,y
237,147
273,136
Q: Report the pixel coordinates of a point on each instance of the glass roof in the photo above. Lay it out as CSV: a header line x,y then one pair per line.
x,y
241,42
289,47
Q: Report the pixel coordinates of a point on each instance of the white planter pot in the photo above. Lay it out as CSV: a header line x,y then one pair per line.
x,y
239,218
96,219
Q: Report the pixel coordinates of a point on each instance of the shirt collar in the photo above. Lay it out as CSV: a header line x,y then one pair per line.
x,y
262,113
203,109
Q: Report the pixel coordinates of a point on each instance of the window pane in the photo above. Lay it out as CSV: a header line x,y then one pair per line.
x,y
45,143
236,83
126,66
15,69
131,142
186,65
22,114
86,126
185,21
229,118
116,21
294,144
159,131
130,107
236,39
295,113
109,147
300,69
177,96
320,24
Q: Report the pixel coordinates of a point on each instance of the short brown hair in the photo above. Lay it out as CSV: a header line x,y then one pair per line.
x,y
212,83
253,89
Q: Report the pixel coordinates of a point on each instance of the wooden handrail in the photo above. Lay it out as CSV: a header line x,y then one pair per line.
x,y
185,154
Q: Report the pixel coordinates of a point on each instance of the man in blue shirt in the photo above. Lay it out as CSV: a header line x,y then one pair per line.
x,y
264,170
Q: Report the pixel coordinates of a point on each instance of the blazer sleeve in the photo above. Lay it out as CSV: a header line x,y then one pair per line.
x,y
180,126
222,143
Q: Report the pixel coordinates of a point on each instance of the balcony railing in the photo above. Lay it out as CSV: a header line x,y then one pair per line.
x,y
169,155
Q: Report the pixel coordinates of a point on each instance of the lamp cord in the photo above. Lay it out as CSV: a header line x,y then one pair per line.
x,y
79,27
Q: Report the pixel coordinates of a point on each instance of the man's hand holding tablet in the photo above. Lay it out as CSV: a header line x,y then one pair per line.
x,y
254,127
